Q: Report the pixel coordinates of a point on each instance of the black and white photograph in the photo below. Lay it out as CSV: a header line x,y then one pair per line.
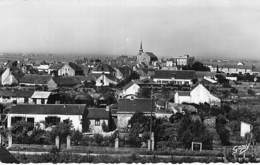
x,y
129,81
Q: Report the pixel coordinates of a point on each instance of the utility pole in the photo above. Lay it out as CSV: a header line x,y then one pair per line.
x,y
151,119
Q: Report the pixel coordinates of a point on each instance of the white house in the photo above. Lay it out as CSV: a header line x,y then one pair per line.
x,y
40,97
105,80
197,95
132,88
51,114
7,78
70,69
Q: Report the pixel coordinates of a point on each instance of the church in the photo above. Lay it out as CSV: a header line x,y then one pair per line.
x,y
147,58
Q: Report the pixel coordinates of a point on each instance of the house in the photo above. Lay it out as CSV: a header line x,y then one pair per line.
x,y
70,69
40,97
128,107
123,72
184,60
34,80
106,80
231,69
43,68
130,89
147,58
71,81
96,117
8,77
184,77
197,95
103,69
50,114
15,96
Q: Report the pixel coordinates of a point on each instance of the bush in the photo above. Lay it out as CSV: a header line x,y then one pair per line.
x,y
98,138
76,137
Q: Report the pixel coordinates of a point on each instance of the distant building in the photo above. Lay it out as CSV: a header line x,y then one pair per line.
x,y
184,77
8,78
106,80
147,58
184,60
231,69
70,69
197,95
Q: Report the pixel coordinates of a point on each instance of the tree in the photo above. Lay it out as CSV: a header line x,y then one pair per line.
x,y
221,79
193,130
85,121
140,124
197,66
105,127
221,129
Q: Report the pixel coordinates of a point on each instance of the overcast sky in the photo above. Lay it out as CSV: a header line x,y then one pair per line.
x,y
229,28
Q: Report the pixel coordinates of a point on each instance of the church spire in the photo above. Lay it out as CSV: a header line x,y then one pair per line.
x,y
141,48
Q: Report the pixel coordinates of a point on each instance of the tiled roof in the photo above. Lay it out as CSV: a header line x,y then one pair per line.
x,y
41,94
35,79
104,68
51,109
97,113
128,85
168,74
69,81
16,93
75,66
144,105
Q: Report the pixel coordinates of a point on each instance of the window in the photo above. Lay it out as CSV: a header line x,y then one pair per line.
x,y
34,100
42,101
16,119
97,122
52,120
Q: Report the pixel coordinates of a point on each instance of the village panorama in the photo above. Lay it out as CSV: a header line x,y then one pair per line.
x,y
128,109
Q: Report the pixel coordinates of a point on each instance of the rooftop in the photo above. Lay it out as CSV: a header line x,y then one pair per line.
x,y
48,109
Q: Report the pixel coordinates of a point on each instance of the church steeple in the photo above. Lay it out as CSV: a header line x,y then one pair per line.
x,y
141,48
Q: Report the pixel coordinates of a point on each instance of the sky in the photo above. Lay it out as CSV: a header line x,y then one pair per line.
x,y
169,28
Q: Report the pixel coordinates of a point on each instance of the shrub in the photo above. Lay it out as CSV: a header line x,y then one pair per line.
x,y
76,137
98,138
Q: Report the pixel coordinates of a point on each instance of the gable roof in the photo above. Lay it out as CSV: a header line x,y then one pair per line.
x,y
35,79
128,85
41,94
48,109
144,105
168,74
97,113
75,66
6,156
